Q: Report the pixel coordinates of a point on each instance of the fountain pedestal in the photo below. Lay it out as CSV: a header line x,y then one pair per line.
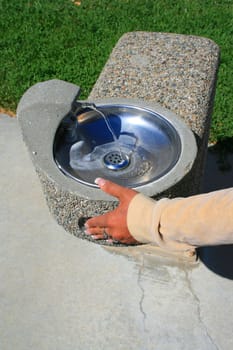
x,y
176,71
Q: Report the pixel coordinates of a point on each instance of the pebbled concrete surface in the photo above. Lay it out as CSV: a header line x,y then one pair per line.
x,y
59,292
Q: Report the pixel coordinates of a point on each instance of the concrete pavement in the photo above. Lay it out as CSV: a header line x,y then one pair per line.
x,y
58,292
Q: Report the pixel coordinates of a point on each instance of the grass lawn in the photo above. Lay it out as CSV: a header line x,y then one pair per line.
x,y
44,39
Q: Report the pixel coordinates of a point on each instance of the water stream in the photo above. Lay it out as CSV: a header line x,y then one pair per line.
x,y
110,129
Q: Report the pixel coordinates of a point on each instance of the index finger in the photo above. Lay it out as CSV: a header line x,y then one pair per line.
x,y
114,189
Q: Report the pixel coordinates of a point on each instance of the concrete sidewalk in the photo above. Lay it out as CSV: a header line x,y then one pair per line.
x,y
58,292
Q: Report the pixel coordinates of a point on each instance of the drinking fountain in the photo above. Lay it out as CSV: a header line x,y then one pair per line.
x,y
135,143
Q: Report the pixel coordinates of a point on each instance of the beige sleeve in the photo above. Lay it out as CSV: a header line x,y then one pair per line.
x,y
183,223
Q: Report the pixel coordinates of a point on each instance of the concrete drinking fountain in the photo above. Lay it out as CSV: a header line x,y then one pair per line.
x,y
134,143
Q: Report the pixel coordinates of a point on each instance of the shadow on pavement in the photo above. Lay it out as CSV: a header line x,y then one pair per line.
x,y
218,259
219,175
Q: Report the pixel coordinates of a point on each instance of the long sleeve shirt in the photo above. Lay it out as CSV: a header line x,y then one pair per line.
x,y
182,224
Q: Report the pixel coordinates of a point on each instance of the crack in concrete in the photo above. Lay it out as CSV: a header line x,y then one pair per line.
x,y
140,285
197,300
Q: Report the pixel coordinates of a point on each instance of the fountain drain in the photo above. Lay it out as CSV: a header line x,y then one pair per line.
x,y
115,160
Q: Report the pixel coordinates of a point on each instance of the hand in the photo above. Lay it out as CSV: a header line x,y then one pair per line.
x,y
112,225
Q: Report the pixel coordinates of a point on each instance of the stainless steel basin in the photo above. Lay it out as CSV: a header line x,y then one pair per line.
x,y
128,144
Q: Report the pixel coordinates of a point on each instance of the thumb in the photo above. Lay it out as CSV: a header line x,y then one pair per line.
x,y
113,189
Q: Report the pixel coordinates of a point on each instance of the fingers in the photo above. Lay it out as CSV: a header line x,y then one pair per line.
x,y
111,235
100,233
98,221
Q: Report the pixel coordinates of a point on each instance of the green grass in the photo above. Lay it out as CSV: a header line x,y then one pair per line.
x,y
44,39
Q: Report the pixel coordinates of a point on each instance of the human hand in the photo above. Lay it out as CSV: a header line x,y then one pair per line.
x,y
112,225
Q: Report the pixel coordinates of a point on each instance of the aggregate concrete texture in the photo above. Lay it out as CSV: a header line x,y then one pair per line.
x,y
59,292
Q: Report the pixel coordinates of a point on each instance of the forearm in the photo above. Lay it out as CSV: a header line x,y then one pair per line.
x,y
183,223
